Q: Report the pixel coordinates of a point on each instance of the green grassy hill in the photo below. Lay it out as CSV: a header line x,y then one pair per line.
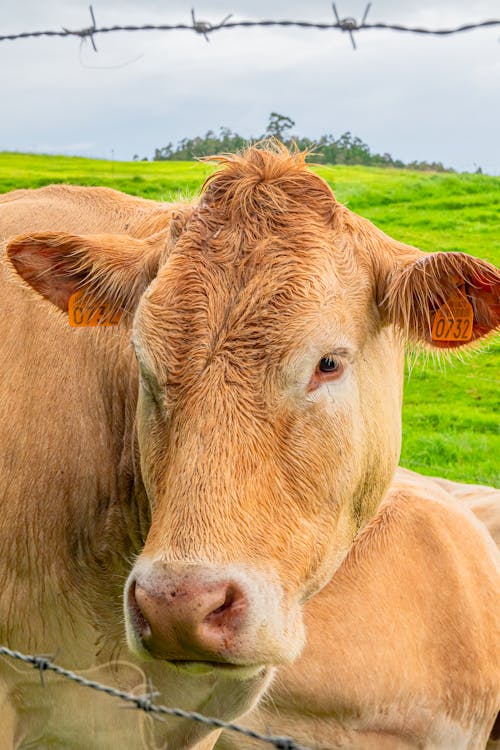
x,y
451,411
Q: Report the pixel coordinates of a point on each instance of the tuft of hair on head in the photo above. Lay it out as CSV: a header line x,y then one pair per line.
x,y
267,177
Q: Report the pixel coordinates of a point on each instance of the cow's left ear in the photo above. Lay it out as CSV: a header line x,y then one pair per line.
x,y
111,269
444,300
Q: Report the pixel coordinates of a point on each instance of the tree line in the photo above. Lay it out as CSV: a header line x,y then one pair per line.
x,y
346,149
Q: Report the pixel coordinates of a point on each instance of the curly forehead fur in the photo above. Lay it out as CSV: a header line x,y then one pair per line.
x,y
254,257
263,188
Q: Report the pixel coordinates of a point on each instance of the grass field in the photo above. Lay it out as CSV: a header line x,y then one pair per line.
x,y
451,411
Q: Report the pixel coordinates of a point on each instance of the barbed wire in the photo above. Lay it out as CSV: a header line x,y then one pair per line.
x,y
145,702
347,25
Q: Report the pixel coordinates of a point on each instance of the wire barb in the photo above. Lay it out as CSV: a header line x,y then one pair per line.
x,y
42,664
84,33
203,27
365,14
350,24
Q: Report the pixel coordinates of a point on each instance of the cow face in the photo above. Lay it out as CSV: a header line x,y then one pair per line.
x,y
267,433
268,332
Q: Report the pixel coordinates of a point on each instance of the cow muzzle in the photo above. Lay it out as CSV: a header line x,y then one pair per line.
x,y
212,617
187,621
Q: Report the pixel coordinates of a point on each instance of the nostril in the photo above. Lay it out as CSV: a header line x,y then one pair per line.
x,y
139,621
226,604
233,604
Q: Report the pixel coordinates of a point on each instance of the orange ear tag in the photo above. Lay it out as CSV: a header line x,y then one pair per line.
x,y
454,319
99,315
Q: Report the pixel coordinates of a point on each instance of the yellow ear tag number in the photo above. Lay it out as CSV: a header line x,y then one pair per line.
x,y
98,315
454,320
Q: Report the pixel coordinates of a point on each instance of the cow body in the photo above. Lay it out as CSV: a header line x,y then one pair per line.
x,y
402,645
222,463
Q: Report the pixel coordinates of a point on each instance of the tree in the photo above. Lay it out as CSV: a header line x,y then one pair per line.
x,y
278,125
346,149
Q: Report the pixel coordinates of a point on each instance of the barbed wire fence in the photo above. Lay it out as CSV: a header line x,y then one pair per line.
x,y
146,703
347,25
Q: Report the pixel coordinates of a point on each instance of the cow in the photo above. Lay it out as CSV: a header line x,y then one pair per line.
x,y
179,479
402,644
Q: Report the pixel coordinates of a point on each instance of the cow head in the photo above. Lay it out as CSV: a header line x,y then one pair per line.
x,y
268,328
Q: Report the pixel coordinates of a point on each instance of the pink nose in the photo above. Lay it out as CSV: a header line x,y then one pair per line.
x,y
189,621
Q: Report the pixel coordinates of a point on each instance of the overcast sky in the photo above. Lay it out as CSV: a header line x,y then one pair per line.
x,y
414,97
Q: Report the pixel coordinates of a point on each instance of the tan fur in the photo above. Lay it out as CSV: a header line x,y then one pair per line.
x,y
402,644
227,457
483,501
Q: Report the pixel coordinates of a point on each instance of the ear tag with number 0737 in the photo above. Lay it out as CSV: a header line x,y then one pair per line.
x,y
454,319
80,314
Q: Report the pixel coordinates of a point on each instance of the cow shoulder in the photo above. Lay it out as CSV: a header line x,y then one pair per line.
x,y
403,626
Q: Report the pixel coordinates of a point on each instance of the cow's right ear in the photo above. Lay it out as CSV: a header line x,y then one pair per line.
x,y
111,269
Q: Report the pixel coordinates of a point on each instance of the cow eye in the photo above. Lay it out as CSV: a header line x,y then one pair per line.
x,y
329,368
329,365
